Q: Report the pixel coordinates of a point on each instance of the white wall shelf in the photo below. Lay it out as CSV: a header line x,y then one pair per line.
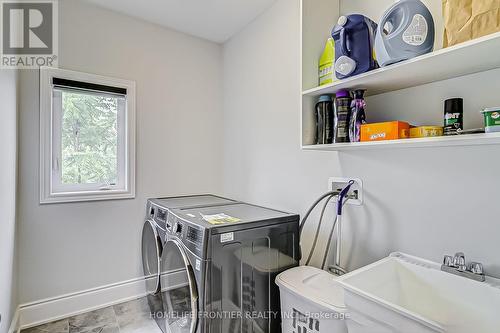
x,y
475,56
444,141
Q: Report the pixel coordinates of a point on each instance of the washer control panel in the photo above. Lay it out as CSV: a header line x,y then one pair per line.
x,y
158,215
178,227
161,215
194,235
189,234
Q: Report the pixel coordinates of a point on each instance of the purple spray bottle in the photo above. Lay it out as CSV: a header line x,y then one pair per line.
x,y
358,115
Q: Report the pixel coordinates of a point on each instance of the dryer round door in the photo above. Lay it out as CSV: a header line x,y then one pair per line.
x,y
179,291
151,254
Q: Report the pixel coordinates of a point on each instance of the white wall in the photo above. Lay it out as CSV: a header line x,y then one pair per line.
x,y
426,202
8,171
68,248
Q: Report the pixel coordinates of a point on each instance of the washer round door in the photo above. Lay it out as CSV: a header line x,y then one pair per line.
x,y
151,254
179,291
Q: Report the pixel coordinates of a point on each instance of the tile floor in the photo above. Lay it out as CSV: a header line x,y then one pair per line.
x,y
130,317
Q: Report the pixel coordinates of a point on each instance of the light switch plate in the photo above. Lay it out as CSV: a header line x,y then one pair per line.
x,y
337,184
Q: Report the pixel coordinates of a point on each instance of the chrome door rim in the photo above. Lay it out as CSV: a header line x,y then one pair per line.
x,y
192,284
153,225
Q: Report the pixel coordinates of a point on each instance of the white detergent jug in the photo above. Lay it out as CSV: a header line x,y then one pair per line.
x,y
405,31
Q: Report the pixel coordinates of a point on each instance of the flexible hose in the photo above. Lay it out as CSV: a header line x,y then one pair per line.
x,y
332,268
318,228
303,222
309,211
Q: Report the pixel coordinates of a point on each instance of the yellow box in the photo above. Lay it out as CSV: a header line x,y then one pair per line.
x,y
426,131
392,130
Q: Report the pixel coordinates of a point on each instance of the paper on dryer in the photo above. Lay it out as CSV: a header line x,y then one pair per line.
x,y
220,218
469,19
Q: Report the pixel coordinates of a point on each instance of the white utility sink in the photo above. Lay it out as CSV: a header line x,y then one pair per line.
x,y
406,294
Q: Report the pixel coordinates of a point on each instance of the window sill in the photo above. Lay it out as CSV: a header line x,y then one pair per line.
x,y
87,196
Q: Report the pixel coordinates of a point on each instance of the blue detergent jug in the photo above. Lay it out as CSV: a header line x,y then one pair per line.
x,y
406,30
354,37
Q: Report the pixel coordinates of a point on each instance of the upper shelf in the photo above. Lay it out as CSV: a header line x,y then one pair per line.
x,y
471,57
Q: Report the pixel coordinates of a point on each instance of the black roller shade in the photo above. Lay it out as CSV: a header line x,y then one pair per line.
x,y
63,83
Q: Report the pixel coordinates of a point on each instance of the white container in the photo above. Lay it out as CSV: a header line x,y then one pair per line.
x,y
312,301
491,120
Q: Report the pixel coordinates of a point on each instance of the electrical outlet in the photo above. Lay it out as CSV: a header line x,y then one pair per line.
x,y
355,194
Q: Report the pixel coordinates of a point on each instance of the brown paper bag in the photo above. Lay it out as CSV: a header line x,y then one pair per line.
x,y
468,19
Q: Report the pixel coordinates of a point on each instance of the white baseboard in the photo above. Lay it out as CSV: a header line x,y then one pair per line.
x,y
49,310
14,325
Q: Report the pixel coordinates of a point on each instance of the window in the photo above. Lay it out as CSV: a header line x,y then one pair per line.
x,y
87,129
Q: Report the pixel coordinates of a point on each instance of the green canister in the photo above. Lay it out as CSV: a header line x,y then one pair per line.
x,y
491,119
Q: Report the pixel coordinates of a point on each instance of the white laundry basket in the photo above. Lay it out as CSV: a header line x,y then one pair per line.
x,y
311,301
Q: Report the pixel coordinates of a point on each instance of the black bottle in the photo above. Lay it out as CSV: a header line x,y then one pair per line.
x,y
453,116
324,120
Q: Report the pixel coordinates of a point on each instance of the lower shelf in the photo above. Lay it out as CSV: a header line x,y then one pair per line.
x,y
443,141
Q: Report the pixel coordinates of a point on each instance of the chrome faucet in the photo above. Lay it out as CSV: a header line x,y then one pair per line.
x,y
458,266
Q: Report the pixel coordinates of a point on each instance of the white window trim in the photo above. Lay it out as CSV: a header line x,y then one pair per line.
x,y
47,195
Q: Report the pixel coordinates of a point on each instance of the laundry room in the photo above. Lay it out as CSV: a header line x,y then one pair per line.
x,y
257,166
